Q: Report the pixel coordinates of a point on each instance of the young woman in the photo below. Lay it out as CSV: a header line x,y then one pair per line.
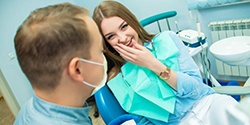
x,y
159,69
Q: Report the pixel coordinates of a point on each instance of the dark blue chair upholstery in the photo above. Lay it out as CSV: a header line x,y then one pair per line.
x,y
107,105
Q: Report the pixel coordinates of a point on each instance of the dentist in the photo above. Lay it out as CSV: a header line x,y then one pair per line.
x,y
59,49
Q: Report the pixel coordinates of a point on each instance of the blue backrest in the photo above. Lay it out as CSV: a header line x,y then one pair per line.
x,y
107,105
157,18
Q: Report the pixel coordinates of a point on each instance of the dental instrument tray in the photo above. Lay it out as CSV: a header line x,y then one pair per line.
x,y
192,38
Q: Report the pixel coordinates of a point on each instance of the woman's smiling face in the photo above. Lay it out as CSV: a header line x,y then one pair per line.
x,y
116,30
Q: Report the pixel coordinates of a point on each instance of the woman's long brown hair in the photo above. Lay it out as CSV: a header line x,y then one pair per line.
x,y
108,9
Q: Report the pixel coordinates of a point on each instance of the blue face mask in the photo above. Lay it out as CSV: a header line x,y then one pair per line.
x,y
102,83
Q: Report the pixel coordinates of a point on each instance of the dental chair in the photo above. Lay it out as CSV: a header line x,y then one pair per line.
x,y
110,109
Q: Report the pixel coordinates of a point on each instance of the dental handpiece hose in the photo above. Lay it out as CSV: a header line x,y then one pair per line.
x,y
198,28
199,37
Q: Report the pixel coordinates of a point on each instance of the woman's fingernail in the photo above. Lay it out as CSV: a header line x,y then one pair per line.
x,y
115,47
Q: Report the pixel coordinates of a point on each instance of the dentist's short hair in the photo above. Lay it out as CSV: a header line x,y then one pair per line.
x,y
48,39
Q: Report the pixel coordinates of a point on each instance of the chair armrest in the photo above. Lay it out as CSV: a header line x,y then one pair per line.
x,y
232,90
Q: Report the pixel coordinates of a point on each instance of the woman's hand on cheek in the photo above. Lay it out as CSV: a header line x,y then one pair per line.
x,y
137,54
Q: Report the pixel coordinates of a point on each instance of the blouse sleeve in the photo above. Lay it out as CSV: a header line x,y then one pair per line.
x,y
189,80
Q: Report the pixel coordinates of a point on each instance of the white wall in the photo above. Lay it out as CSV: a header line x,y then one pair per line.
x,y
146,8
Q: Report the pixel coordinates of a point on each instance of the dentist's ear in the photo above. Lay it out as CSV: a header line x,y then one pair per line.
x,y
74,69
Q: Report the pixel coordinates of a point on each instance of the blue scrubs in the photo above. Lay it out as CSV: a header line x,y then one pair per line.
x,y
40,112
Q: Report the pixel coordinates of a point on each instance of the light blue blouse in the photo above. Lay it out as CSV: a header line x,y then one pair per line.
x,y
190,87
40,112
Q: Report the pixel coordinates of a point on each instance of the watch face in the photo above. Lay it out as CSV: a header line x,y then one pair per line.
x,y
165,74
